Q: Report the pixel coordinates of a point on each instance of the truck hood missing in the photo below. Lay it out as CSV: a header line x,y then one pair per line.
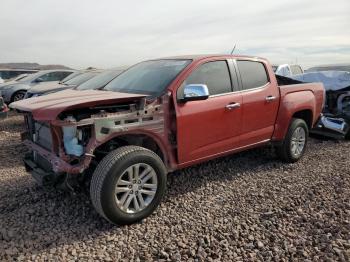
x,y
46,108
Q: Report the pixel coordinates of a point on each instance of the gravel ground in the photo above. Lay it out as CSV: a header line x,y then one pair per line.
x,y
244,207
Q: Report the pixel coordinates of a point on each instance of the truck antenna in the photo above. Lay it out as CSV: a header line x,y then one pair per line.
x,y
233,49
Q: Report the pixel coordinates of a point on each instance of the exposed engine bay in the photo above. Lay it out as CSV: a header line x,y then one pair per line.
x,y
86,133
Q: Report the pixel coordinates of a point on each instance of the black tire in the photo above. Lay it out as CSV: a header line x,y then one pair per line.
x,y
19,95
111,169
284,151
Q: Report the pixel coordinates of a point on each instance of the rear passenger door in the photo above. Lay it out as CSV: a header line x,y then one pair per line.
x,y
260,102
212,126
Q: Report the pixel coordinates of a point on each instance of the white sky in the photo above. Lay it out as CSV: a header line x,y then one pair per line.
x,y
82,33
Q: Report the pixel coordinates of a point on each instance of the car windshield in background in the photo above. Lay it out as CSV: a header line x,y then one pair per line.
x,y
100,80
31,77
69,77
149,77
81,78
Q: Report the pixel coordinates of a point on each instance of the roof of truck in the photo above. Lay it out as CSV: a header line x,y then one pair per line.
x,y
203,56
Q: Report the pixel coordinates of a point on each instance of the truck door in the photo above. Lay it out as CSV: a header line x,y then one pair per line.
x,y
212,126
260,102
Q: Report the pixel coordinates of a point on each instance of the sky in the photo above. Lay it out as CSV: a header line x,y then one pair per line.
x,y
112,33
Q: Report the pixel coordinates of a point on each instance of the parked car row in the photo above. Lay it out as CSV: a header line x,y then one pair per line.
x,y
15,90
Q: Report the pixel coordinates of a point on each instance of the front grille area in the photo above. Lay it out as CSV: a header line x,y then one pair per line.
x,y
40,134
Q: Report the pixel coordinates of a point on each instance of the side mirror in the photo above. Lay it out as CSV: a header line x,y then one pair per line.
x,y
195,92
39,80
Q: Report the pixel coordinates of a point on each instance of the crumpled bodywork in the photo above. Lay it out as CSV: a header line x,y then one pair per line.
x,y
335,121
141,118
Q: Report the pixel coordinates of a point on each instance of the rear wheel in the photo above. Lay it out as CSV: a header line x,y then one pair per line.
x,y
19,95
294,144
128,184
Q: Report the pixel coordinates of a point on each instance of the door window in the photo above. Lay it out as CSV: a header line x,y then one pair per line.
x,y
213,74
253,74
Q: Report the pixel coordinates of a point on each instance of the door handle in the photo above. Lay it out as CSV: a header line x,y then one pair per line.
x,y
233,106
270,98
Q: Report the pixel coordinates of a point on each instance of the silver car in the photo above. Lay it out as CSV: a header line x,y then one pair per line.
x,y
15,90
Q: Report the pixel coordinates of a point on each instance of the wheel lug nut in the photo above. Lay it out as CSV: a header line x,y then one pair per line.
x,y
139,182
131,192
134,181
140,187
130,186
136,192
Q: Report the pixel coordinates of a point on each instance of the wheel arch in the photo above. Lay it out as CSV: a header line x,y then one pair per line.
x,y
306,115
142,139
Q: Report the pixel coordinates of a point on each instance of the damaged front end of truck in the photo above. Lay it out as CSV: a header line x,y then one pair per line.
x,y
64,151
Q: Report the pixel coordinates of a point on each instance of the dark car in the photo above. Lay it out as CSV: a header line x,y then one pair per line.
x,y
88,80
15,90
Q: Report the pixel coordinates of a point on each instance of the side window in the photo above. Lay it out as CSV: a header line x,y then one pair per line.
x,y
296,70
253,74
213,74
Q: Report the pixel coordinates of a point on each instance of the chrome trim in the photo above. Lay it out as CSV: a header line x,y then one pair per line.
x,y
233,106
270,98
241,91
195,90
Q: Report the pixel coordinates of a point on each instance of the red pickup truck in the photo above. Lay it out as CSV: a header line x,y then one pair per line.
x,y
159,116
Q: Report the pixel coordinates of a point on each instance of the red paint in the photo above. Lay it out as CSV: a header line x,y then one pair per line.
x,y
204,129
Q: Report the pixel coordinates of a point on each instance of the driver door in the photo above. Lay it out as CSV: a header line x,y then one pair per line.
x,y
209,127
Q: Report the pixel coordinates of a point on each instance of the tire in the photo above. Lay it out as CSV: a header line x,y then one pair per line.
x,y
292,148
19,95
112,175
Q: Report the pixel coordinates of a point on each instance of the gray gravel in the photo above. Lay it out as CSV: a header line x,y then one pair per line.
x,y
244,207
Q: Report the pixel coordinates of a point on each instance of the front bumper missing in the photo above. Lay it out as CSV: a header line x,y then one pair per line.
x,y
42,177
58,164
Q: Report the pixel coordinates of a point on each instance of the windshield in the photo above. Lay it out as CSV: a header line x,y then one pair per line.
x,y
80,78
31,77
149,77
69,77
100,80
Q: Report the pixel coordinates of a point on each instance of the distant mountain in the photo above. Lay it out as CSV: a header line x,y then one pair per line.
x,y
35,66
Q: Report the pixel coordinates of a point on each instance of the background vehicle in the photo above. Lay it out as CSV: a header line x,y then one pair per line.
x,y
287,70
85,81
15,90
333,67
159,116
52,87
3,109
335,121
8,74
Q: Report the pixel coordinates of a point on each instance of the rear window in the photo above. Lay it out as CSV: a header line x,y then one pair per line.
x,y
253,74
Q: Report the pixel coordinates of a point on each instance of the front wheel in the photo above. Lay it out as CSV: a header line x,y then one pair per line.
x,y
19,95
128,184
294,144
